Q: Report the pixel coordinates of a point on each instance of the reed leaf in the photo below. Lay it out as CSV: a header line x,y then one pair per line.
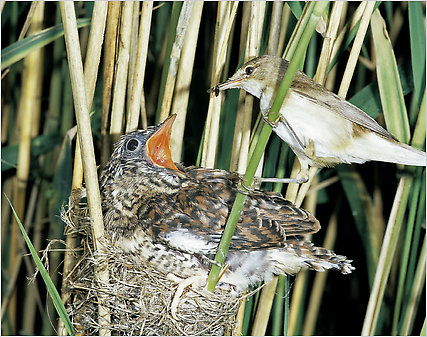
x,y
418,53
392,100
56,299
18,50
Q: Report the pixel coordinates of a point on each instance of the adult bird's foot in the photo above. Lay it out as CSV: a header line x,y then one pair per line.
x,y
265,118
297,180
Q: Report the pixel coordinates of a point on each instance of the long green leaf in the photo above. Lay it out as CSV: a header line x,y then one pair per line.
x,y
391,92
404,255
39,145
56,299
418,47
361,205
368,98
18,50
415,294
423,330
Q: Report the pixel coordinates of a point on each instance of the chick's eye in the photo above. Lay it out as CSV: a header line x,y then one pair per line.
x,y
132,145
249,70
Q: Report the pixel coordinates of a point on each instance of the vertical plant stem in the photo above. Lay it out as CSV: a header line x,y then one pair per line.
x,y
225,19
242,130
275,28
405,254
183,81
241,111
252,49
165,55
319,281
141,61
133,50
28,102
329,42
415,294
386,255
86,145
263,313
181,30
29,311
93,54
96,37
355,50
117,109
113,15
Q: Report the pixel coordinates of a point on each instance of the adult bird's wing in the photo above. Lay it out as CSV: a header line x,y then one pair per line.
x,y
309,90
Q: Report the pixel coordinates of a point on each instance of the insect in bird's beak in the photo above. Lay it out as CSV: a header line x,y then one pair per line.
x,y
158,145
215,89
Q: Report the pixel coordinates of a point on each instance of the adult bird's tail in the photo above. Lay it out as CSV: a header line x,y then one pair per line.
x,y
375,147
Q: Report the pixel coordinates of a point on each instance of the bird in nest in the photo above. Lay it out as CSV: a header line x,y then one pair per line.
x,y
172,217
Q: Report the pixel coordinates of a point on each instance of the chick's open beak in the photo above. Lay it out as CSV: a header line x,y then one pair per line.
x,y
158,145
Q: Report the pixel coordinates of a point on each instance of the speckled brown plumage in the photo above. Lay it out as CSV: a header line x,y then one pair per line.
x,y
174,216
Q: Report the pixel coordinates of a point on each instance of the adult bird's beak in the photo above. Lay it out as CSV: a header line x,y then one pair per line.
x,y
232,82
158,145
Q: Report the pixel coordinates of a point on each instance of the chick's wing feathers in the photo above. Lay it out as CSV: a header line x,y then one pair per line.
x,y
195,221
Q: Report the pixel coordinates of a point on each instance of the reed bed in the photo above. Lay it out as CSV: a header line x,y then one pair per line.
x,y
77,75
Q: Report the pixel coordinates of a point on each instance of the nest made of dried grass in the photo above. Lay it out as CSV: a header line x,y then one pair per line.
x,y
138,297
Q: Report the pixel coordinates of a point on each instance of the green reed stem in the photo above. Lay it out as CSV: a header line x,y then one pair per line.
x,y
230,227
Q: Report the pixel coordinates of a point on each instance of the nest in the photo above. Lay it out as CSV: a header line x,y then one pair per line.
x,y
137,297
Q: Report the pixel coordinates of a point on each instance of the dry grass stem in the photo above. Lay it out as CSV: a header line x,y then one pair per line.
x,y
29,108
319,281
152,56
286,13
328,42
275,28
29,19
181,31
183,80
119,94
264,308
141,60
133,50
355,50
225,19
109,60
347,27
93,54
85,134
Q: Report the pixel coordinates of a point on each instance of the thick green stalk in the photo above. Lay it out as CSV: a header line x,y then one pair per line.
x,y
405,252
278,306
415,294
319,7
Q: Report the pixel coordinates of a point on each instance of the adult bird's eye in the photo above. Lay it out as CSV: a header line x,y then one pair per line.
x,y
249,70
132,144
